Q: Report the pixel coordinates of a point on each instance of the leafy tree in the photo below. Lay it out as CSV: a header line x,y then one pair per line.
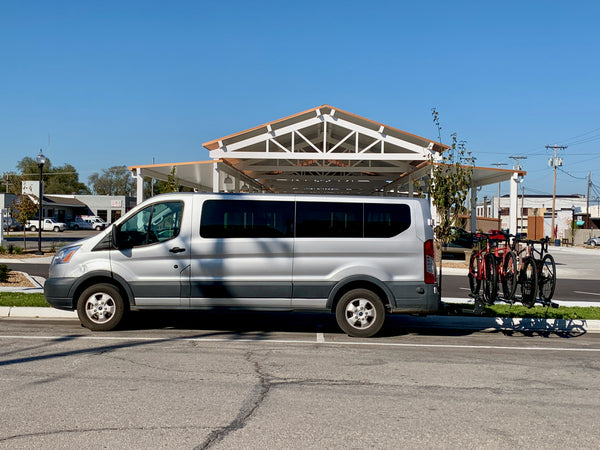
x,y
449,186
57,180
24,209
65,180
115,180
10,183
172,181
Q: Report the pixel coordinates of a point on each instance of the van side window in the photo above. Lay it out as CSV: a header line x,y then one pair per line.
x,y
386,220
247,219
155,223
328,219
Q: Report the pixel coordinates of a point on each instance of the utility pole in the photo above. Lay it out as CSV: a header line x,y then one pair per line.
x,y
498,209
555,162
517,166
587,201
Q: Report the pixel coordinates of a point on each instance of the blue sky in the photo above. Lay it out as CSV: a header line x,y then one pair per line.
x,y
98,84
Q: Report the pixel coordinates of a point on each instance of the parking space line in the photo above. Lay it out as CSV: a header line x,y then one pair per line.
x,y
586,293
236,340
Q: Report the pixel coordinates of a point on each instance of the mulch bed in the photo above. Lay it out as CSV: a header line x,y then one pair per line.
x,y
17,279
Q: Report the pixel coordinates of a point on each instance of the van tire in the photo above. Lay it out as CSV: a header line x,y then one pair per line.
x,y
100,307
32,228
360,313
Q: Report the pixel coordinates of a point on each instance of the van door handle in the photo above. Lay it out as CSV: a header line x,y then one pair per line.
x,y
177,250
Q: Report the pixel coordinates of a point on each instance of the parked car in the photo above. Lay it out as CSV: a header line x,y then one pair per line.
x,y
47,225
497,235
593,241
9,224
461,240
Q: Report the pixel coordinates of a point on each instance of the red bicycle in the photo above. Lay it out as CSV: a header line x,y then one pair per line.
x,y
506,264
482,269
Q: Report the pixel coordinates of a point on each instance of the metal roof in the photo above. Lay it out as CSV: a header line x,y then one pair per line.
x,y
324,150
321,150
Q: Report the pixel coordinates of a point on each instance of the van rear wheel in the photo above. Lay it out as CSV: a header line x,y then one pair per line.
x,y
100,307
360,313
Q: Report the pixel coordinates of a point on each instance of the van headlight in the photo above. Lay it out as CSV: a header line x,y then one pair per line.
x,y
64,255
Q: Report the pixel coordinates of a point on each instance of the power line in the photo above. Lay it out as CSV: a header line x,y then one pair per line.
x,y
517,166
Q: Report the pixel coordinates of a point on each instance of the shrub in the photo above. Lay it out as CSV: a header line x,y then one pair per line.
x,y
3,273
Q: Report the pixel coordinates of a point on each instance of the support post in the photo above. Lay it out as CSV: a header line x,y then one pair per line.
x,y
215,178
473,208
514,203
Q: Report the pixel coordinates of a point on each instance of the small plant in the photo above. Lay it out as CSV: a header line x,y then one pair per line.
x,y
3,250
3,273
54,245
11,249
18,250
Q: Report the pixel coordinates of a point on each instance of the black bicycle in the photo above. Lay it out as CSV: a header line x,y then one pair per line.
x,y
537,271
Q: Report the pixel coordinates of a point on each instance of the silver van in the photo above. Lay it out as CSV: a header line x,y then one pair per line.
x,y
359,257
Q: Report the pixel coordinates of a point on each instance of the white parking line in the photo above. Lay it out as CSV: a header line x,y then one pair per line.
x,y
586,293
320,338
235,340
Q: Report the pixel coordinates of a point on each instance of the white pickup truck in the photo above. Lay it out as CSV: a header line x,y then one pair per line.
x,y
47,225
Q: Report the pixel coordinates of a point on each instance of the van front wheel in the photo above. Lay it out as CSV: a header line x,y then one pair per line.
x,y
360,313
100,307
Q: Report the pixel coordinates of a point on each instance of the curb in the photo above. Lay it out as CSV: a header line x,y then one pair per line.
x,y
30,312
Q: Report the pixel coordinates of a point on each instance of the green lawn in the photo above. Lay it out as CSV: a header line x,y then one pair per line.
x,y
510,311
21,299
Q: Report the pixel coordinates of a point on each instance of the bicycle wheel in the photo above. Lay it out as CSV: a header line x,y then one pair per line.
x,y
509,276
547,277
474,280
490,280
528,279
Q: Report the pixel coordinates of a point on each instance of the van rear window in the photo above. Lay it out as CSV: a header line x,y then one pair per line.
x,y
386,220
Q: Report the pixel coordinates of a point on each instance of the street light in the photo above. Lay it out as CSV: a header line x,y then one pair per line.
x,y
41,160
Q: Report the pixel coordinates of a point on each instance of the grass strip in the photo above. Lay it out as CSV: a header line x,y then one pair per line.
x,y
518,311
22,299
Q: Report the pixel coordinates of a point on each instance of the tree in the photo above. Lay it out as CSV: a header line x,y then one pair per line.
x,y
115,180
10,183
24,209
448,187
57,180
172,181
65,180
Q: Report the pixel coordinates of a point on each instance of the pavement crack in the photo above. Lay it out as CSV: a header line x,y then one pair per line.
x,y
248,408
87,430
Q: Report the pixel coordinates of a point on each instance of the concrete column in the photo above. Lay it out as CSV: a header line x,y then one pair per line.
x,y
514,204
139,178
216,177
473,208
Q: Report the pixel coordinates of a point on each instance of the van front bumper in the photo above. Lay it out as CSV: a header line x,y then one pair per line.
x,y
58,292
